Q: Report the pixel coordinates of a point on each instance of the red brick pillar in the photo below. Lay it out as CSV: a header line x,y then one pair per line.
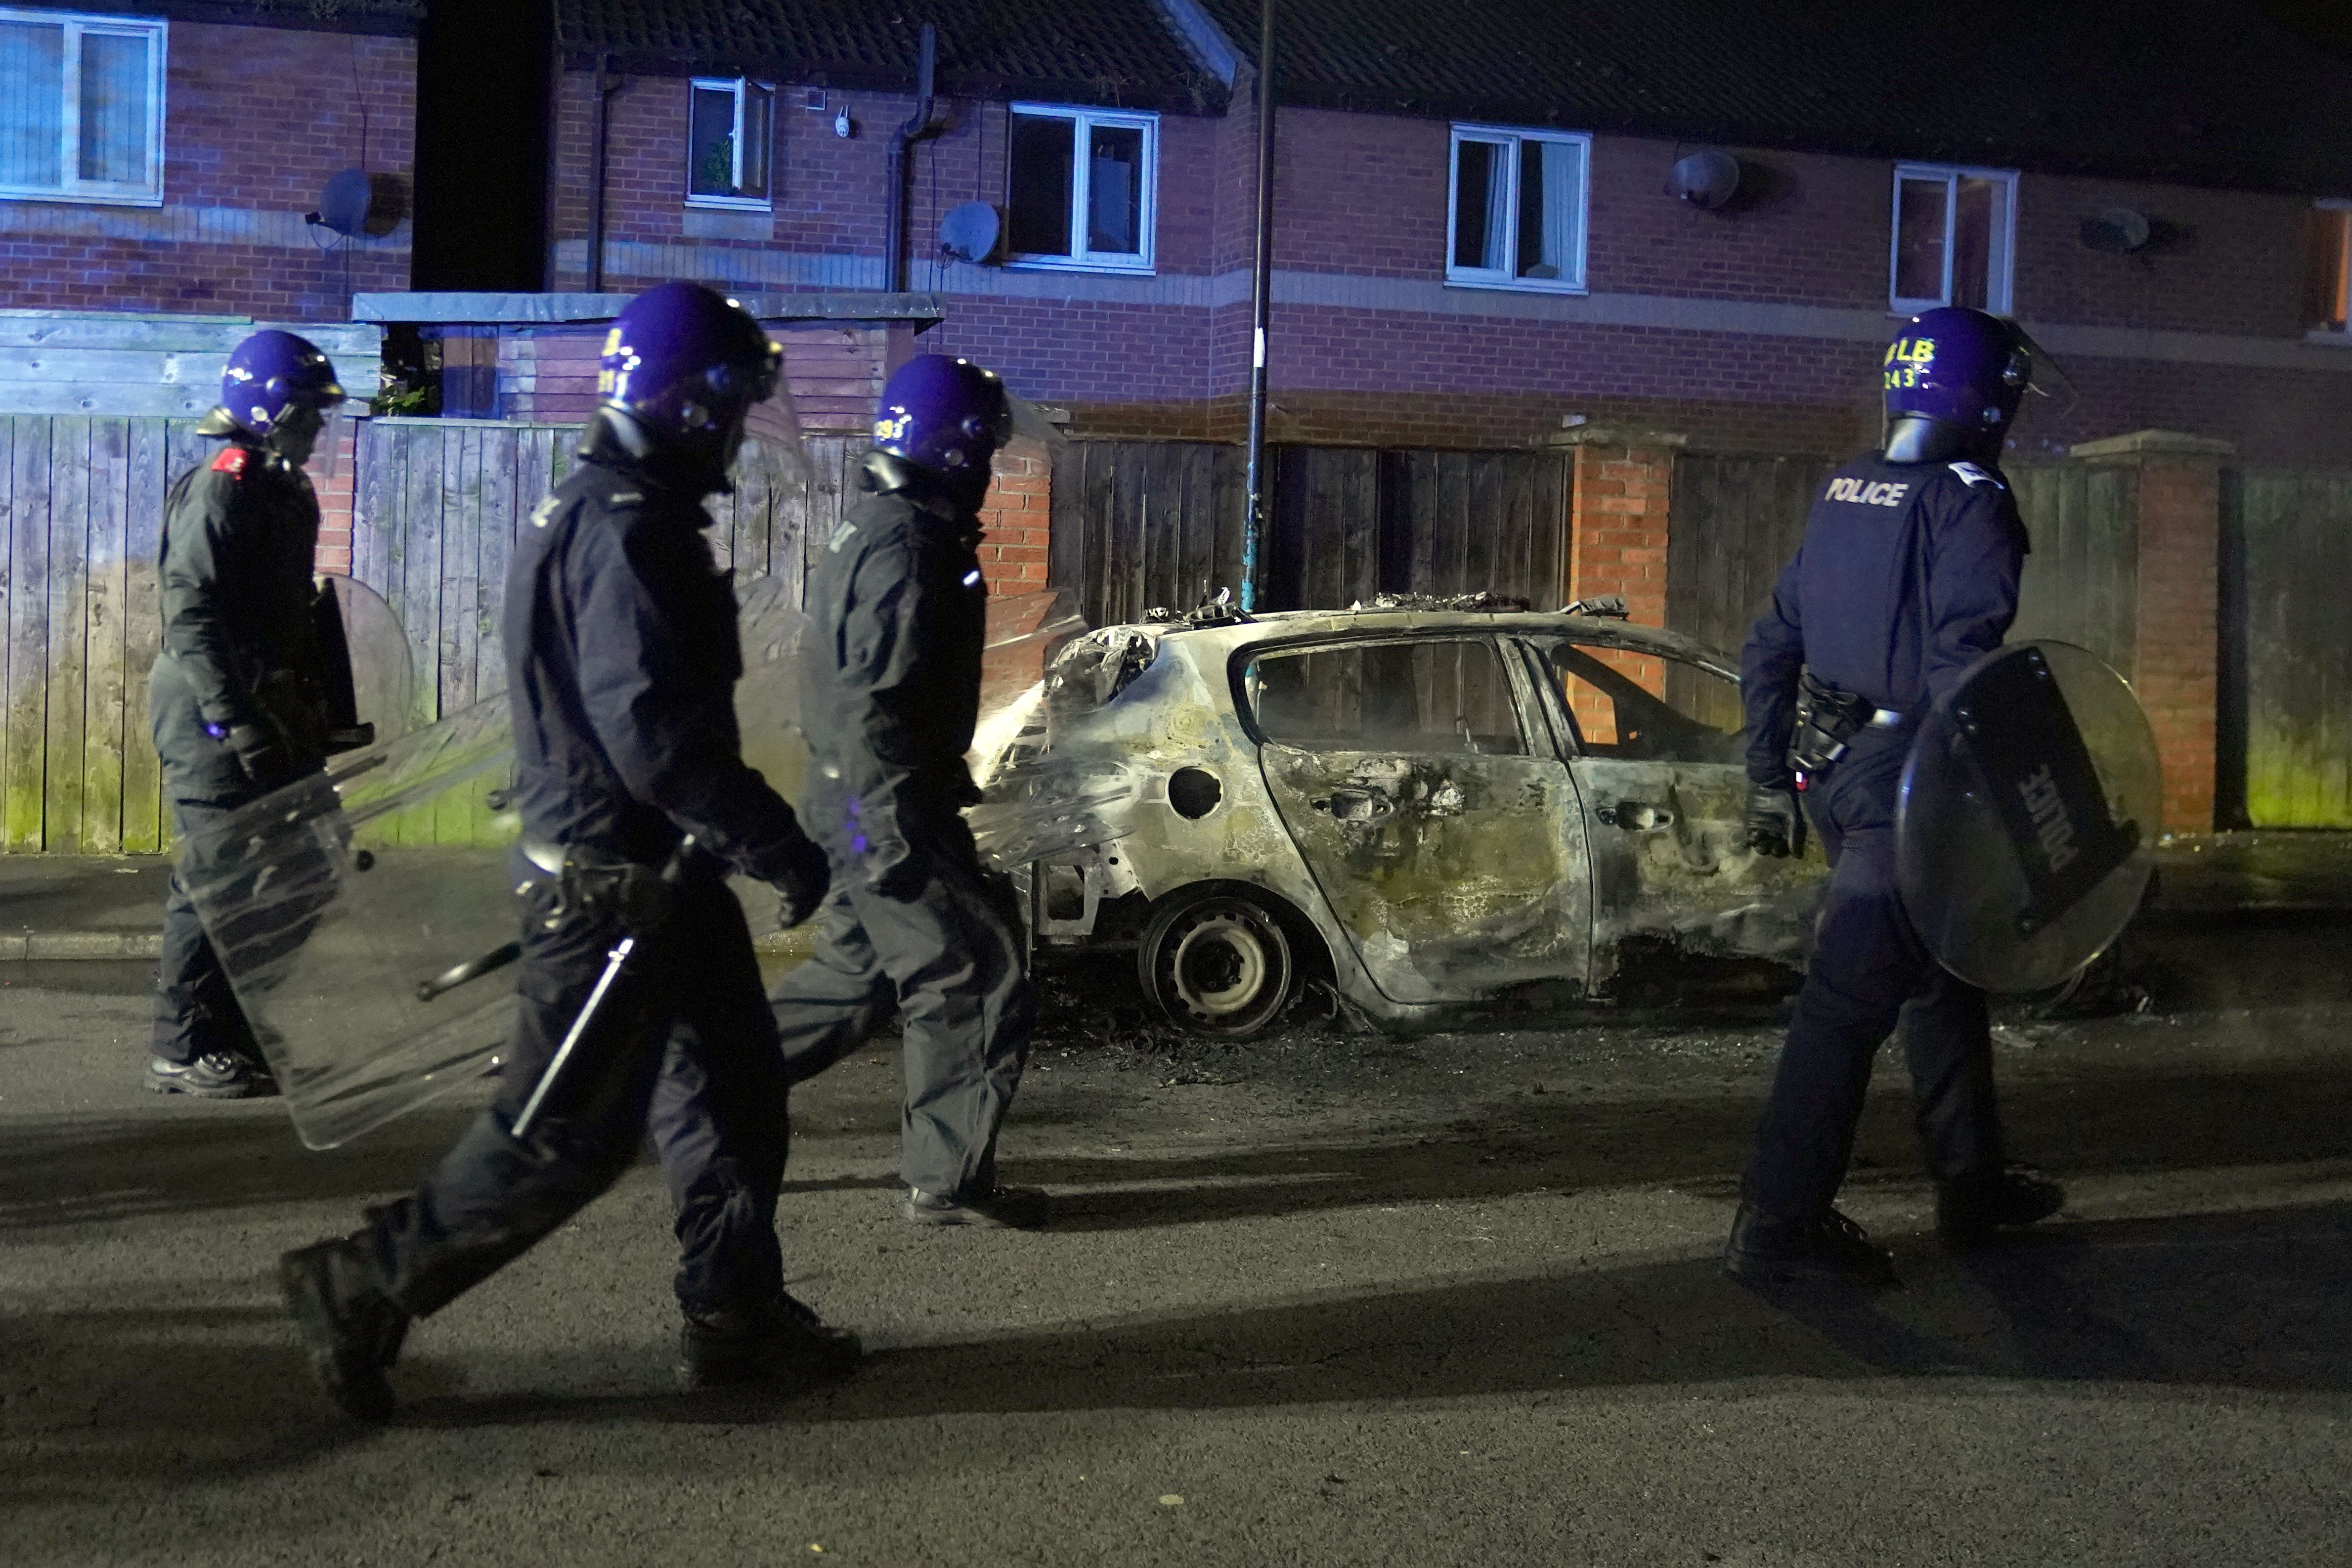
x,y
335,495
2177,645
1014,521
1618,517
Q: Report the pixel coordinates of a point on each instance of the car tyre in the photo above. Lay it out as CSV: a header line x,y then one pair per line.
x,y
1218,961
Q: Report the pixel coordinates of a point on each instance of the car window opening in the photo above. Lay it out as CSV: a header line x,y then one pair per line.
x,y
1643,708
1431,697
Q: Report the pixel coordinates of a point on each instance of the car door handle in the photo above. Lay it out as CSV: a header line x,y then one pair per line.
x,y
1356,804
1636,817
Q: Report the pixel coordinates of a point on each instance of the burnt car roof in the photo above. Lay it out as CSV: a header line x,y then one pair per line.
x,y
1283,625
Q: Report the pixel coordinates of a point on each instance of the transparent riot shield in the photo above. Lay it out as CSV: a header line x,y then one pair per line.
x,y
333,902
384,669
2027,811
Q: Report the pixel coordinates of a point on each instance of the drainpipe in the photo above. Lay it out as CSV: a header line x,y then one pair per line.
x,y
1261,302
606,85
921,128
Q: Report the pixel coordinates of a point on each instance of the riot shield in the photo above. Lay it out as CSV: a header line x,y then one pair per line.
x,y
360,915
2027,811
383,667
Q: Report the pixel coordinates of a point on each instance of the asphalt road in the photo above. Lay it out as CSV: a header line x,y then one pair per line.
x,y
1333,1300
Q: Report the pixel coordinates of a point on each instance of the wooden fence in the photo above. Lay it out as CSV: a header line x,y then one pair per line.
x,y
439,502
1140,525
81,498
2285,735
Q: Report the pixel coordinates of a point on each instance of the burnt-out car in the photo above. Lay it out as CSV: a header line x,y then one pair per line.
x,y
1428,810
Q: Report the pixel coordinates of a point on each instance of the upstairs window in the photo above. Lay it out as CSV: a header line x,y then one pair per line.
x,y
2331,272
1515,216
1081,188
1952,242
81,107
731,129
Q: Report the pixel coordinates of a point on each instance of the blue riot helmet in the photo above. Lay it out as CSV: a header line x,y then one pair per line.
x,y
277,389
948,416
1954,378
685,364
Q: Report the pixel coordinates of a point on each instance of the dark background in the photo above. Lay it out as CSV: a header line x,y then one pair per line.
x,y
485,79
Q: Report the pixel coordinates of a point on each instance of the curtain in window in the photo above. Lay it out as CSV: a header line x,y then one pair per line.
x,y
1548,207
31,103
1921,237
114,84
1497,250
1115,191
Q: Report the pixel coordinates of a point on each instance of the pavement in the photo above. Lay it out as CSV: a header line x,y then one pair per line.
x,y
1325,1300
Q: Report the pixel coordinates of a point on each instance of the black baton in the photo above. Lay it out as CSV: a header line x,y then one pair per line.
x,y
614,962
498,958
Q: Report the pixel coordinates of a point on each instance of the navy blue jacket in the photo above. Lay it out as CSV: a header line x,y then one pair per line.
x,y
1906,575
240,620
622,659
892,695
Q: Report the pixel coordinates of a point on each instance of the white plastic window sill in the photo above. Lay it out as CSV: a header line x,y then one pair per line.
x,y
1517,285
82,198
1073,264
731,203
2334,337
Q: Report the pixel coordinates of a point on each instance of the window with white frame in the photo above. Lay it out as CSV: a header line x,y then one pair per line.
x,y
1514,212
1952,242
1081,187
729,140
81,107
2330,301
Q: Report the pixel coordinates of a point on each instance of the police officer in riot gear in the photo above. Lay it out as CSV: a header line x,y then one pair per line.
x,y
1909,572
635,803
914,923
238,695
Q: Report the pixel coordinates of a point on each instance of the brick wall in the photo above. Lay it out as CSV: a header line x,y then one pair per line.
x,y
256,118
1618,522
1413,362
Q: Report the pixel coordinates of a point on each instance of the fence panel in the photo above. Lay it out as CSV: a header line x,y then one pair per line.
x,y
1140,525
2284,739
2081,579
1734,522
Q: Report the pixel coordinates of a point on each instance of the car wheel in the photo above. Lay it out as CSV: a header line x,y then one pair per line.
x,y
1219,962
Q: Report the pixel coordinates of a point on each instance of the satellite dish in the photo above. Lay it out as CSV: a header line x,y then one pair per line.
x,y
1708,179
2117,229
343,205
969,232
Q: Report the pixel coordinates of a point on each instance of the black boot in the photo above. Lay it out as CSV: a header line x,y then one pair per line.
x,y
353,1329
996,1207
1826,1245
783,1342
1970,1209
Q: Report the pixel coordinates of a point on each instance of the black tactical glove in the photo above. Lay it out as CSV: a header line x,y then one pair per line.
x,y
900,879
262,752
1775,825
801,882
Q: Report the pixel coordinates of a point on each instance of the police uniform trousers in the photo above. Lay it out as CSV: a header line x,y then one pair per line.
x,y
1869,978
951,962
683,1049
195,1012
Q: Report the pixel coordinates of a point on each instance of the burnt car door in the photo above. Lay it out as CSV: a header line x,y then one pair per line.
x,y
1658,754
1449,848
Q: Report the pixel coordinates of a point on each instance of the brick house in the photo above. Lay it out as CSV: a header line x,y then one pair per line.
x,y
1477,233
183,184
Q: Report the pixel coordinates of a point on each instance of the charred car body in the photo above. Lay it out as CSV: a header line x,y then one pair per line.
x,y
1426,809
